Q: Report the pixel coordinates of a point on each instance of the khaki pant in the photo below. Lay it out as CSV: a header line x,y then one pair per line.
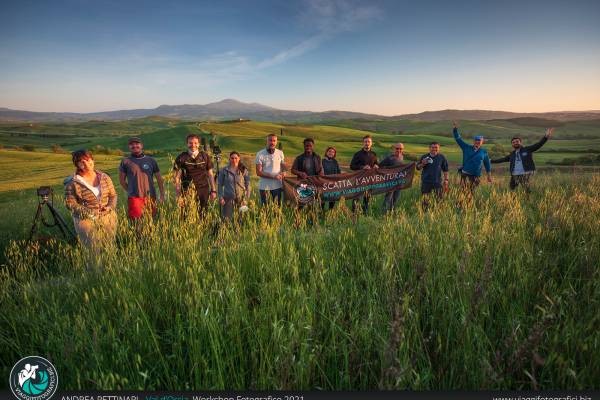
x,y
97,233
520,180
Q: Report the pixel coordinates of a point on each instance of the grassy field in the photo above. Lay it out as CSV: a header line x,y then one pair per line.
x,y
501,294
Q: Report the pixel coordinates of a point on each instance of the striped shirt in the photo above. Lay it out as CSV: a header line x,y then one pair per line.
x,y
83,203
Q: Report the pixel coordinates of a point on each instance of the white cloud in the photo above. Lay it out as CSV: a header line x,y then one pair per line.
x,y
334,16
326,18
293,52
142,68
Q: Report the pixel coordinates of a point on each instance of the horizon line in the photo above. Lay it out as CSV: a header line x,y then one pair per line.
x,y
8,108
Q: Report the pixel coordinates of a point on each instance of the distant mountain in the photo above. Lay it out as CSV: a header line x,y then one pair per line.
x,y
223,110
233,109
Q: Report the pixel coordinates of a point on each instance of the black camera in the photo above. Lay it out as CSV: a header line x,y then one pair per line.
x,y
44,191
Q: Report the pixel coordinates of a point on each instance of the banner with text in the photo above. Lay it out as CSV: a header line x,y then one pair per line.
x,y
350,185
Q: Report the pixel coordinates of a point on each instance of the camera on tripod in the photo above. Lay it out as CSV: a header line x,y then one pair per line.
x,y
44,192
216,151
46,198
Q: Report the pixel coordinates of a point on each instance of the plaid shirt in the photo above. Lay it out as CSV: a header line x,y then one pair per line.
x,y
83,203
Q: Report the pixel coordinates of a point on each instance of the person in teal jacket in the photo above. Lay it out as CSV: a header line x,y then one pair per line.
x,y
474,156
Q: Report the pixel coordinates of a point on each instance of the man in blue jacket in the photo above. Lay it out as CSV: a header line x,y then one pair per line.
x,y
521,161
473,157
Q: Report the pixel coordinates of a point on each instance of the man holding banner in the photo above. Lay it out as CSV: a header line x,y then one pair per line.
x,y
351,185
393,160
364,159
308,163
270,167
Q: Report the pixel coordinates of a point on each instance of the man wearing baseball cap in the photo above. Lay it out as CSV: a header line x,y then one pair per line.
x,y
136,175
473,157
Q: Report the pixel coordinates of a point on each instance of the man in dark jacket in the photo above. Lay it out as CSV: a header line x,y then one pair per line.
x,y
364,159
433,165
521,161
308,163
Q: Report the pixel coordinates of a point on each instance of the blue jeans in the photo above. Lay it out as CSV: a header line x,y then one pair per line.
x,y
276,195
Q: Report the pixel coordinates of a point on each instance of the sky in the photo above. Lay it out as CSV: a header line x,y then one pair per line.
x,y
383,57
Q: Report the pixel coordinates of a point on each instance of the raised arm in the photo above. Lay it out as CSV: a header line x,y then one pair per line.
x,y
538,145
457,137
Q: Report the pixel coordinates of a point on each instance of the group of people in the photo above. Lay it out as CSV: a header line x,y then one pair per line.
x,y
91,197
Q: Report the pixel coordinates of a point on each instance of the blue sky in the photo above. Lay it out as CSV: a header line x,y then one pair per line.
x,y
385,57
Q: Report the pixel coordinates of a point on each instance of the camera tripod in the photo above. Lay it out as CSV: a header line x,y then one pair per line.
x,y
46,198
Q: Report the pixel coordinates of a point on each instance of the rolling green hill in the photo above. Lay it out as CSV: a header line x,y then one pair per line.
x,y
165,138
528,128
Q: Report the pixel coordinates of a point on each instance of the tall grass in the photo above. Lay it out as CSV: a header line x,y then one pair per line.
x,y
501,294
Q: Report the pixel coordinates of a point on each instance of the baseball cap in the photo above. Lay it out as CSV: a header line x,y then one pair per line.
x,y
134,139
478,137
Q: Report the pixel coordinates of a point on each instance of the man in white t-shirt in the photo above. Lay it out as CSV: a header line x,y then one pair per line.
x,y
270,167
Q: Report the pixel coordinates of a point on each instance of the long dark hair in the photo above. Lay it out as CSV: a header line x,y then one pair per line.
x,y
79,155
241,167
